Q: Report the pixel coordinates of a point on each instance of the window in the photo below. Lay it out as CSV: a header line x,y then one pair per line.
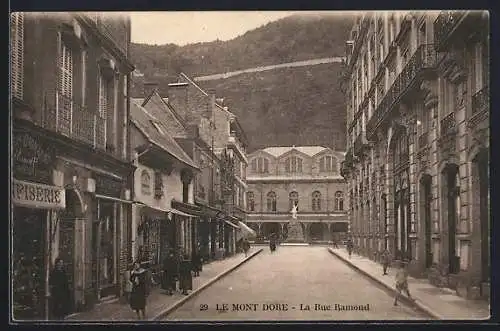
x,y
271,201
293,164
260,165
17,54
145,182
103,96
66,71
339,200
316,201
254,165
250,201
158,185
294,200
422,38
327,164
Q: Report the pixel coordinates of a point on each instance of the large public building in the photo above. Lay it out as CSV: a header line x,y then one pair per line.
x,y
307,177
417,88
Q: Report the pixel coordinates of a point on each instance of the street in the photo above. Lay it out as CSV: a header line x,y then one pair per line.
x,y
294,283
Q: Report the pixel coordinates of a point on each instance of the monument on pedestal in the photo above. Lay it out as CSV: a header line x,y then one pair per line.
x,y
295,231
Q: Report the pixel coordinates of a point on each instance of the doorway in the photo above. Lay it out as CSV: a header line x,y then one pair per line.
x,y
316,231
425,201
453,204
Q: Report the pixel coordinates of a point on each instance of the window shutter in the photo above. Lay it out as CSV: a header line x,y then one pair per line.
x,y
17,54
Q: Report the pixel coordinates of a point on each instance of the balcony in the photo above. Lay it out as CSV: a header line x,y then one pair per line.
x,y
445,25
72,120
448,125
360,144
234,141
481,101
423,141
423,61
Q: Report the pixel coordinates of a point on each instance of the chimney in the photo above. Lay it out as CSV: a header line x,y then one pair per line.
x,y
178,98
148,88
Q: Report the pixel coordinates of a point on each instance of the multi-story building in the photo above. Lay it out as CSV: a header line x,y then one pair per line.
x,y
307,177
417,160
196,139
159,179
71,170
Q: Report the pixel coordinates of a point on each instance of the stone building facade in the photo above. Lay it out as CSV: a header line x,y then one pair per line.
x,y
417,160
69,92
304,176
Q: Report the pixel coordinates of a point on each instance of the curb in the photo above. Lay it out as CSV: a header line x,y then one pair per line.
x,y
202,287
419,305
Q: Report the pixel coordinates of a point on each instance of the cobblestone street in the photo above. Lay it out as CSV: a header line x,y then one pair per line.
x,y
289,278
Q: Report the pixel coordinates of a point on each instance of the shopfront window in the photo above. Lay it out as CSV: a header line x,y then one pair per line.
x,y
28,263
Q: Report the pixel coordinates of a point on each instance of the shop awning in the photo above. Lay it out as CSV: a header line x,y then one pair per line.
x,y
169,210
246,231
231,224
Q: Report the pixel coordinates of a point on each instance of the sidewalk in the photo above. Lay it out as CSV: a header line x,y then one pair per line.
x,y
441,303
159,303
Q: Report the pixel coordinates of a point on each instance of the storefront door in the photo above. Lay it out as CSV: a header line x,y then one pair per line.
x,y
28,276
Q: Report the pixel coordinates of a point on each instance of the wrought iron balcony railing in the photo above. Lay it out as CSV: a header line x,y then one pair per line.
x,y
424,58
360,143
70,119
445,24
481,100
448,124
423,140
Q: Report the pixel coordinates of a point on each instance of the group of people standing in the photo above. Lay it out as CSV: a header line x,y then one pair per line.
x,y
175,268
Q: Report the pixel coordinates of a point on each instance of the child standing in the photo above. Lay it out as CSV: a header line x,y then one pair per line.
x,y
386,260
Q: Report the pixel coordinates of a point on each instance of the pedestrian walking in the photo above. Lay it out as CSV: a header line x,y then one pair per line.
x,y
169,282
272,242
186,279
386,260
350,247
246,246
59,290
138,294
402,282
197,262
334,243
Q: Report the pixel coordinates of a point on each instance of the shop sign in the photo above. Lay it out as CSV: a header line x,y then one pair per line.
x,y
108,186
32,160
36,195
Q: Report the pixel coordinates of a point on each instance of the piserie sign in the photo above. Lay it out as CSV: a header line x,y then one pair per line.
x,y
36,195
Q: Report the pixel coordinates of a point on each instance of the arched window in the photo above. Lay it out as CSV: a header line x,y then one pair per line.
x,y
294,200
293,164
271,201
254,165
145,182
316,201
339,200
250,201
327,164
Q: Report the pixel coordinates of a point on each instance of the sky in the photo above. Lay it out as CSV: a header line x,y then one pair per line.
x,y
183,28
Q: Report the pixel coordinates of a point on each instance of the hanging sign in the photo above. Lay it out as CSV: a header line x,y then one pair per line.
x,y
36,195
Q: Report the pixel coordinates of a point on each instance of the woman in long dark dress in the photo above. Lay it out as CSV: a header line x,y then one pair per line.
x,y
138,294
170,273
186,279
197,262
59,289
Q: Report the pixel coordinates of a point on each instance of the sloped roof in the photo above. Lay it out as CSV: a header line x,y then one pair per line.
x,y
308,150
144,122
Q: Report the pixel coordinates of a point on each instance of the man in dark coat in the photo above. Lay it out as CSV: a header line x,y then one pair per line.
x,y
197,262
59,290
272,242
170,273
185,277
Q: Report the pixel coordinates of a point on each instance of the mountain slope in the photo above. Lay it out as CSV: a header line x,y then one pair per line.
x,y
298,105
